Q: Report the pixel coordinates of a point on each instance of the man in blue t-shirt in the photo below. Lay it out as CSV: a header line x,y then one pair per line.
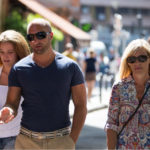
x,y
46,79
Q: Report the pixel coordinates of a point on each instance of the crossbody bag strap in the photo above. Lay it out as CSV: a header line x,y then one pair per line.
x,y
140,102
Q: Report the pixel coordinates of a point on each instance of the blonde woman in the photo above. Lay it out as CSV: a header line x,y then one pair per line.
x,y
13,47
125,97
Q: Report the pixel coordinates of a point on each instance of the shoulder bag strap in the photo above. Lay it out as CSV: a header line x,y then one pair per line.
x,y
140,102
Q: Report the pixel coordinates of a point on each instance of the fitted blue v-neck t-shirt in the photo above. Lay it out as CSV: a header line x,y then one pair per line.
x,y
46,91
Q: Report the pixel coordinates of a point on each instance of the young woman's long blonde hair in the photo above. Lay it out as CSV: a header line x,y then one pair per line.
x,y
133,46
19,42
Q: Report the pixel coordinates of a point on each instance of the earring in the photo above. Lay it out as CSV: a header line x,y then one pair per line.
x,y
51,34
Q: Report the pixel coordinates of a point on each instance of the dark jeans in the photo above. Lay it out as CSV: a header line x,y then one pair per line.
x,y
7,143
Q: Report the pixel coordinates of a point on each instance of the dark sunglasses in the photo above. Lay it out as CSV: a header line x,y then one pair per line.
x,y
140,58
39,35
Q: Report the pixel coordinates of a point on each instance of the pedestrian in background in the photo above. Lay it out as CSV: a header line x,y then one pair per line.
x,y
89,69
69,51
128,124
78,54
148,39
13,47
46,79
103,65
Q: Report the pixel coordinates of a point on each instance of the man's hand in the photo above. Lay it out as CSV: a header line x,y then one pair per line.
x,y
6,115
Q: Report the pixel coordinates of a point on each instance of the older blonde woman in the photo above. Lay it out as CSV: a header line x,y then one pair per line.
x,y
13,47
125,97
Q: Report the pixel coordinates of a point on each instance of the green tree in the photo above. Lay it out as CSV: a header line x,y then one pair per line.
x,y
15,21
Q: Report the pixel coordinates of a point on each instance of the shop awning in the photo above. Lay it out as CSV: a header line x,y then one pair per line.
x,y
56,20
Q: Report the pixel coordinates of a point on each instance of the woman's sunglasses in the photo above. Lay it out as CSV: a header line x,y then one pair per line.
x,y
39,35
140,58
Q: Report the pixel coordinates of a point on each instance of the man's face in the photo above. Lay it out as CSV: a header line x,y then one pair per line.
x,y
40,41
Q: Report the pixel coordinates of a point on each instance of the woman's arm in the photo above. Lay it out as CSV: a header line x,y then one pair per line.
x,y
113,118
111,139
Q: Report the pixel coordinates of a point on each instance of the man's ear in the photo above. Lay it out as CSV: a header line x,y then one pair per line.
x,y
51,34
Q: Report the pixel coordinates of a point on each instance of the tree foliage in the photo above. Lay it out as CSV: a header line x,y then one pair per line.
x,y
19,23
15,21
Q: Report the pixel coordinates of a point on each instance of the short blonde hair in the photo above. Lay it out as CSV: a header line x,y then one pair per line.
x,y
90,51
133,46
20,44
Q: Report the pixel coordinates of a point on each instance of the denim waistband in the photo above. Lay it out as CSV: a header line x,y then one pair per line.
x,y
45,135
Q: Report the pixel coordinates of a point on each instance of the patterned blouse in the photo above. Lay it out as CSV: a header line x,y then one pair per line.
x,y
123,102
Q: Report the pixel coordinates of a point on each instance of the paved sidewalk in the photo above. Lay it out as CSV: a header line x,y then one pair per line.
x,y
96,103
92,136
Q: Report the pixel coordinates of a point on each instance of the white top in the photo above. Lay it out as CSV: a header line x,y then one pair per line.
x,y
12,128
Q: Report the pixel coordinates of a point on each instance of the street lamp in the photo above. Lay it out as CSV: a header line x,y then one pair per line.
x,y
114,4
139,19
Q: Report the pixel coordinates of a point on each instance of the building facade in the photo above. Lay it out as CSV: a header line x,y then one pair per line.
x,y
100,13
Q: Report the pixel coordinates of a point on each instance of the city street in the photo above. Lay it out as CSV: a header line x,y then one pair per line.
x,y
97,36
93,136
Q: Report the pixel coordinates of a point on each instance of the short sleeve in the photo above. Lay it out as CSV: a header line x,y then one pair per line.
x,y
113,111
77,76
13,78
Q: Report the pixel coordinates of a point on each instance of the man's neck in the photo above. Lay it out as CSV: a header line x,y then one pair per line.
x,y
43,60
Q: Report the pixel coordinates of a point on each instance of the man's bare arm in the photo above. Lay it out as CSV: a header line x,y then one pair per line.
x,y
79,100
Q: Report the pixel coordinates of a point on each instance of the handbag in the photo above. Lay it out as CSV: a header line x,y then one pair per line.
x,y
140,102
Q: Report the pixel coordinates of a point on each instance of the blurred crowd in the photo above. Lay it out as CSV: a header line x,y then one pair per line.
x,y
92,63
